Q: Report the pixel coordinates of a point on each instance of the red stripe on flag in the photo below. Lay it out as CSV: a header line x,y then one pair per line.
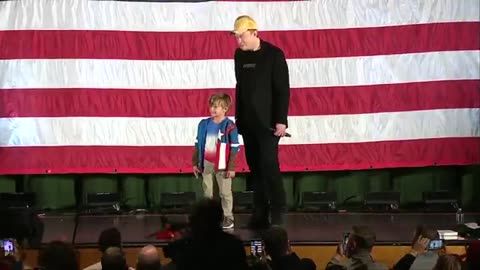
x,y
193,103
48,44
164,159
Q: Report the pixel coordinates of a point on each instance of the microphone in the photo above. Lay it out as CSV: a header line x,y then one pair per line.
x,y
286,133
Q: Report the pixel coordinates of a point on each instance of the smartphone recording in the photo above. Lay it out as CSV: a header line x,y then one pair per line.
x,y
8,247
435,244
346,236
256,248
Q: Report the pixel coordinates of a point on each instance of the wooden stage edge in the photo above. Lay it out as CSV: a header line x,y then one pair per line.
x,y
320,254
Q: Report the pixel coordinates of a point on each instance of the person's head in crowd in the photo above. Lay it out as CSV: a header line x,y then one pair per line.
x,y
110,237
472,256
148,259
361,239
307,264
114,259
448,262
206,217
276,242
58,255
425,232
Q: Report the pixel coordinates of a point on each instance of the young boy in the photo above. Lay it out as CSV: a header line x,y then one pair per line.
x,y
216,148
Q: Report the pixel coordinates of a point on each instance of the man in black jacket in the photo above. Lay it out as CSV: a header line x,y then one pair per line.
x,y
261,109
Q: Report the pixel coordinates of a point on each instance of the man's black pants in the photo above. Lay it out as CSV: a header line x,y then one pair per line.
x,y
261,151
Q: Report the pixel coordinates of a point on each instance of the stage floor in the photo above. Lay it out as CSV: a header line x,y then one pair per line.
x,y
303,228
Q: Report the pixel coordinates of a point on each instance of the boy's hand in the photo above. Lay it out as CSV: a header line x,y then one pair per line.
x,y
196,171
230,174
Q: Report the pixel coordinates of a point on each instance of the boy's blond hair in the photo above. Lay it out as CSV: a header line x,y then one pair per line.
x,y
221,99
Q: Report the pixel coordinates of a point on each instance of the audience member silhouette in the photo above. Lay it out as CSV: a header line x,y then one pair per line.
x,y
207,246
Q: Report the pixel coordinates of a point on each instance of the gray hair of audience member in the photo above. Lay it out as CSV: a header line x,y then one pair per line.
x,y
114,259
364,237
148,258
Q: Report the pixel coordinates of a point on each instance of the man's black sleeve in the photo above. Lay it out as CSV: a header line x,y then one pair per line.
x,y
237,88
405,262
281,88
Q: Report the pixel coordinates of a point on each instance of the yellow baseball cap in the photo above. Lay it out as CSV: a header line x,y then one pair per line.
x,y
244,23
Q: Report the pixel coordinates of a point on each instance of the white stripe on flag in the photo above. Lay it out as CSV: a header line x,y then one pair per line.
x,y
181,131
341,71
282,15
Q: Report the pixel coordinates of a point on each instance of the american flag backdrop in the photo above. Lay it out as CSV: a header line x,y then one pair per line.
x,y
104,86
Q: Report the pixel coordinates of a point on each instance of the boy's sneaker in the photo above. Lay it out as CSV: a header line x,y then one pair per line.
x,y
227,223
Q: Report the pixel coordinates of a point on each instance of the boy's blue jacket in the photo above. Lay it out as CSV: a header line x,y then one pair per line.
x,y
228,145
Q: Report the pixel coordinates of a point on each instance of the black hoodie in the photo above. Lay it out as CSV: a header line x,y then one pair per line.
x,y
262,89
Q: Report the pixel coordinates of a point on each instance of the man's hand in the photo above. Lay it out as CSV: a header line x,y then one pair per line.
x,y
196,171
280,130
340,250
230,174
420,246
339,254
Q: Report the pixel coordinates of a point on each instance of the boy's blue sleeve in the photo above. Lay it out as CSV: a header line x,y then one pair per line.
x,y
234,142
234,146
196,152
